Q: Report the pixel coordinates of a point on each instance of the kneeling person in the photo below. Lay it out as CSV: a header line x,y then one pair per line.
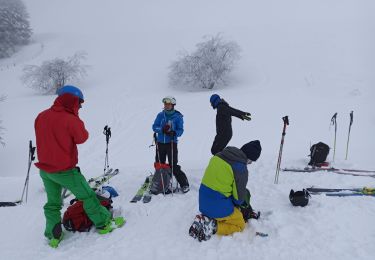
x,y
223,191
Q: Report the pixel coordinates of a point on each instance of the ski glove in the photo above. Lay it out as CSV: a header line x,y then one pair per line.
x,y
246,116
248,213
166,129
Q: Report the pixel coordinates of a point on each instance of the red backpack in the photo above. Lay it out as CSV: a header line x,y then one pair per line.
x,y
76,219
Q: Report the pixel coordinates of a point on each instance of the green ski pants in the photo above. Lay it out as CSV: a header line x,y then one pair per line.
x,y
74,181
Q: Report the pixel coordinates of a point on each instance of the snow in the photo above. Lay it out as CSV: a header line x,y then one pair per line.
x,y
304,59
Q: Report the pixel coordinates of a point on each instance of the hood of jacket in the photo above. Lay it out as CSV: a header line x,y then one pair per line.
x,y
66,102
233,154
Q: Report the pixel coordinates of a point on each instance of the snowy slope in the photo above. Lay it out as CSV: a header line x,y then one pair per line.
x,y
305,59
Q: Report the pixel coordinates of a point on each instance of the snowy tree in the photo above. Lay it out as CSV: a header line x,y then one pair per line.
x,y
206,67
2,98
54,74
14,26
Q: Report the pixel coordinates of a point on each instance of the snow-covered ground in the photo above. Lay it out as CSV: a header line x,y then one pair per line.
x,y
304,59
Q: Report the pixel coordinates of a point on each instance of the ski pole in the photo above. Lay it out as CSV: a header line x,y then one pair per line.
x,y
334,122
31,158
350,126
172,166
107,133
158,155
286,122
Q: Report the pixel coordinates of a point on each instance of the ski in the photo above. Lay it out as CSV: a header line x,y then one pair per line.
x,y
324,190
99,182
10,203
365,191
308,169
351,172
147,194
95,182
138,196
346,194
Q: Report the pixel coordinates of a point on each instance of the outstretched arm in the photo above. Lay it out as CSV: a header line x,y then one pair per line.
x,y
238,113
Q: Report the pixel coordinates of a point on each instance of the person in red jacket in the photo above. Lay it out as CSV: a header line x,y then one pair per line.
x,y
58,130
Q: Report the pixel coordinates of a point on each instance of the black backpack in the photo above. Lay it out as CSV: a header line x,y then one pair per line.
x,y
318,153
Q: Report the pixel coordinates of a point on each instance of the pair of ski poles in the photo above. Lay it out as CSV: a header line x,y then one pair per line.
x,y
334,122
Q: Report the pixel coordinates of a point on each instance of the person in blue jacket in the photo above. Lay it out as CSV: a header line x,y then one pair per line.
x,y
169,125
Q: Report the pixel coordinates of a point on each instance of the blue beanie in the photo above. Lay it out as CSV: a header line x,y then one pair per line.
x,y
214,100
71,90
252,150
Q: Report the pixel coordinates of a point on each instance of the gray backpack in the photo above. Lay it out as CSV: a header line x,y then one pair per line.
x,y
162,178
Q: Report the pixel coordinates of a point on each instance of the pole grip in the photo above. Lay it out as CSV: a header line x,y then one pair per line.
x,y
286,120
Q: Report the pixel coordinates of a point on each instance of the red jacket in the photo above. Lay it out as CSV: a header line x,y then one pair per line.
x,y
58,130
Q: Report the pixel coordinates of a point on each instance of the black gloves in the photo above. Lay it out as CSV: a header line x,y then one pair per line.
x,y
171,133
246,116
248,212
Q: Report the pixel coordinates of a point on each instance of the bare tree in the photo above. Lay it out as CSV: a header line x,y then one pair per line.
x,y
2,142
14,26
208,66
54,74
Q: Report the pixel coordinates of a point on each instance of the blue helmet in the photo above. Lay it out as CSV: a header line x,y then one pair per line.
x,y
71,90
214,100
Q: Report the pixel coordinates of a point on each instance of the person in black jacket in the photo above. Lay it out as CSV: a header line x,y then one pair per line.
x,y
224,122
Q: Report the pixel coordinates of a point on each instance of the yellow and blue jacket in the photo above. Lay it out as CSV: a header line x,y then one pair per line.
x,y
224,183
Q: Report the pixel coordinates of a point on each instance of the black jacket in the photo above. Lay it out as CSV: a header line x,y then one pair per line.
x,y
224,118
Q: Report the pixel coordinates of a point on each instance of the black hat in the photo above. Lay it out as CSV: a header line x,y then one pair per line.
x,y
252,150
299,198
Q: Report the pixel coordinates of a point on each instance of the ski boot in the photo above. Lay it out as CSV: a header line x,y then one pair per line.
x,y
196,226
203,227
54,242
116,222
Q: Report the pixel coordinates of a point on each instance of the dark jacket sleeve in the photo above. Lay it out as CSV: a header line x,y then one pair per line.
x,y
241,176
224,109
236,112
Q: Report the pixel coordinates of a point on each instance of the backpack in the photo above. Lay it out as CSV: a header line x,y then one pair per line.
x,y
161,179
318,153
76,219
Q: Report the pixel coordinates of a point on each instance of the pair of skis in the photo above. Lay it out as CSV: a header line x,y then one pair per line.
x,y
344,192
143,192
352,172
95,182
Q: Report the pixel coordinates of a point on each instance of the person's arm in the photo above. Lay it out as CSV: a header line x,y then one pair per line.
x,y
240,178
179,127
156,127
237,113
78,131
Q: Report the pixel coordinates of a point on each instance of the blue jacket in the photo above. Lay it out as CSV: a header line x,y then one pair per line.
x,y
176,123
